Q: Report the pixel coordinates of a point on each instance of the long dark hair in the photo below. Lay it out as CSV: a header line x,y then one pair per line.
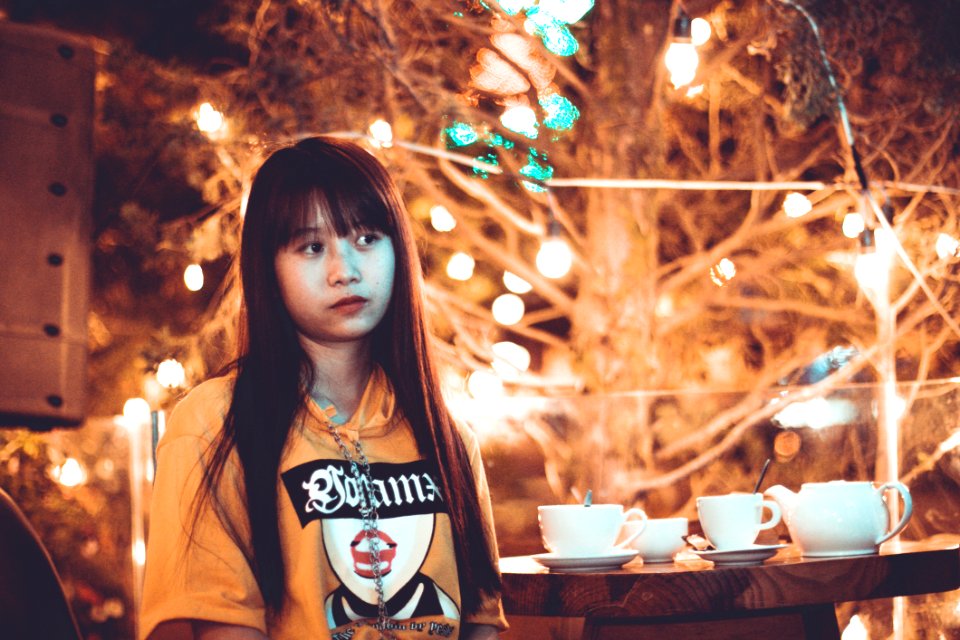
x,y
348,186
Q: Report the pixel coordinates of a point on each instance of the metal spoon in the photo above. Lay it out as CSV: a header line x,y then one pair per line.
x,y
763,472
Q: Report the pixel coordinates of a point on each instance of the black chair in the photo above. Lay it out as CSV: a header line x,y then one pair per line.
x,y
32,601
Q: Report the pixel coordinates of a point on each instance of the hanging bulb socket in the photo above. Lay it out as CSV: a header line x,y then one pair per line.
x,y
682,31
868,241
887,210
554,230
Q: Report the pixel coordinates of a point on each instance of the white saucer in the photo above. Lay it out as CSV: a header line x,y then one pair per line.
x,y
751,555
615,559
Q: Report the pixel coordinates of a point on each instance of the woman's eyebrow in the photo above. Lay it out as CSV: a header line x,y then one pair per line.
x,y
306,232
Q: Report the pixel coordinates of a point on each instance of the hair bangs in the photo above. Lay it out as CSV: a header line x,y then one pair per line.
x,y
329,192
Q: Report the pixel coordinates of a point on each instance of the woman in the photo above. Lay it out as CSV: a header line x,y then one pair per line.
x,y
322,490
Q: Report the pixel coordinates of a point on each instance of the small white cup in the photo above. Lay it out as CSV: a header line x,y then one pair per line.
x,y
660,540
575,530
733,521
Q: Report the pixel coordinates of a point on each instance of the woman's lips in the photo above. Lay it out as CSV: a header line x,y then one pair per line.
x,y
363,559
349,304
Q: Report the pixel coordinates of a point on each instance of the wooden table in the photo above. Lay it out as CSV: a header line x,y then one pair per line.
x,y
785,597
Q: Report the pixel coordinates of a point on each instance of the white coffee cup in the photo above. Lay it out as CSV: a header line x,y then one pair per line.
x,y
733,521
575,530
660,540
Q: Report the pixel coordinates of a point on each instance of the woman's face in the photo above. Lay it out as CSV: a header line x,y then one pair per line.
x,y
336,289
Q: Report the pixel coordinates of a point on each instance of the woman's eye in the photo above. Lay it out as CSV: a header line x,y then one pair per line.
x,y
313,247
366,239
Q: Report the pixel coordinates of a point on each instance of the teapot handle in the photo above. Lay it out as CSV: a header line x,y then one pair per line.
x,y
907,507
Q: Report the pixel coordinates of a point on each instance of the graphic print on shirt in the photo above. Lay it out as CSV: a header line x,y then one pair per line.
x,y
408,500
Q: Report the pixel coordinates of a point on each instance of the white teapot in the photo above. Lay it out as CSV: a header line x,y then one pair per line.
x,y
840,518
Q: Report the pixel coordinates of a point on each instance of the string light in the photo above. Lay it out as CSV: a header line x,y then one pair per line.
x,y
139,552
855,630
722,272
796,205
700,32
441,219
193,277
515,283
520,119
484,385
681,58
853,225
568,11
512,354
381,133
170,374
508,309
947,246
136,412
70,473
872,267
554,258
210,121
460,266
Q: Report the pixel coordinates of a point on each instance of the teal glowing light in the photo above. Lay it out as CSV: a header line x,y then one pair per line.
x,y
513,7
555,35
536,171
497,140
568,11
491,159
460,134
561,113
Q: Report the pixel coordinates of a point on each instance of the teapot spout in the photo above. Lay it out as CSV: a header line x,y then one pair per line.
x,y
784,497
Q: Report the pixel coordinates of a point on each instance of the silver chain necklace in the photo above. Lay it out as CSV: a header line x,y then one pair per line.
x,y
360,468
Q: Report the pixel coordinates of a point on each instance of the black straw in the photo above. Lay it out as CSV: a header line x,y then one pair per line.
x,y
763,472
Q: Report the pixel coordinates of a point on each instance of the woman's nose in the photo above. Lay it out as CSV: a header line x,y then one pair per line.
x,y
342,264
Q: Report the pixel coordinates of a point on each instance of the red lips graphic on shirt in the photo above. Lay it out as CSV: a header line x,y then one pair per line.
x,y
363,559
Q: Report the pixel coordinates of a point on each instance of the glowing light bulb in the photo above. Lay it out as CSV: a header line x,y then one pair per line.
x,y
210,121
484,385
520,119
568,11
460,266
853,225
515,283
796,205
868,270
681,61
699,31
693,92
170,374
947,246
872,266
70,473
554,258
512,354
136,412
382,133
664,307
138,552
722,272
441,219
193,277
508,309
855,630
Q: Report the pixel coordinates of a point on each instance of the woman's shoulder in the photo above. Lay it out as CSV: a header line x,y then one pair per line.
x,y
200,413
468,435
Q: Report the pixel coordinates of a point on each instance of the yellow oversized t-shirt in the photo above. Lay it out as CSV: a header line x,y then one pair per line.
x,y
329,582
